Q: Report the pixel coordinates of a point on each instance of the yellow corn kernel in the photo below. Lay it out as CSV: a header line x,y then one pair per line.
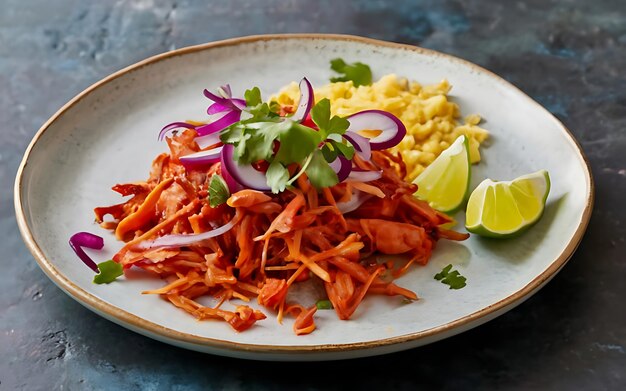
x,y
426,158
407,143
472,119
433,105
415,87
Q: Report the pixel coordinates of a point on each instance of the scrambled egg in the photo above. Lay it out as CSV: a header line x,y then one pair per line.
x,y
430,118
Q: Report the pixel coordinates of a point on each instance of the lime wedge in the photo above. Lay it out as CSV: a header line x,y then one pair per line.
x,y
445,182
503,209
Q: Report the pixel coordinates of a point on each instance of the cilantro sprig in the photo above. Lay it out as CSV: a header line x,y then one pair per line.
x,y
109,271
451,277
281,142
320,114
359,73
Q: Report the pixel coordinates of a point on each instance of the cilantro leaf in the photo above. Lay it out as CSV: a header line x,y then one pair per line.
x,y
253,97
277,176
251,145
319,172
109,271
236,134
233,134
338,125
455,280
256,109
451,277
320,114
439,276
218,191
259,112
296,142
330,153
260,145
345,149
359,73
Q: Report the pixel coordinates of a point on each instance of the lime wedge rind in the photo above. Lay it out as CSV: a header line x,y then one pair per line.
x,y
445,183
482,207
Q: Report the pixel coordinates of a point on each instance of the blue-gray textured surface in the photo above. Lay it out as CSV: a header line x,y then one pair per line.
x,y
569,55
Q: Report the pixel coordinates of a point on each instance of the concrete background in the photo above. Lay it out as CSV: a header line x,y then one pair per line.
x,y
569,55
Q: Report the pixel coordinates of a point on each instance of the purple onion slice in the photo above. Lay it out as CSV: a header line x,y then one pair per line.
x,y
167,129
361,145
245,175
392,129
342,167
358,198
224,99
208,140
216,98
217,108
307,98
227,90
169,241
203,157
89,240
223,122
240,104
364,176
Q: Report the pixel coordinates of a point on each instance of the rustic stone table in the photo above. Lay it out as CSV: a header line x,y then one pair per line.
x,y
568,55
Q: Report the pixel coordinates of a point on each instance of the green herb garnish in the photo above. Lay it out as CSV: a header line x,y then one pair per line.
x,y
264,136
256,107
330,153
109,271
359,73
343,148
320,114
253,97
218,191
319,171
451,277
277,176
324,305
331,128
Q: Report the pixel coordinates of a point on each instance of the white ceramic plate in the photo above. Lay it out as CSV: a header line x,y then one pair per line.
x,y
107,135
